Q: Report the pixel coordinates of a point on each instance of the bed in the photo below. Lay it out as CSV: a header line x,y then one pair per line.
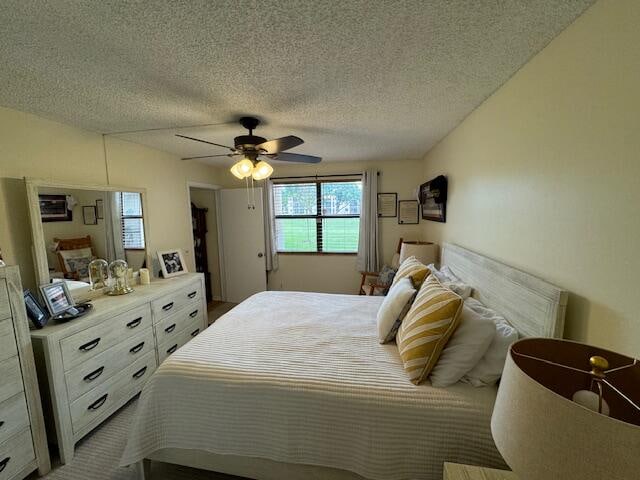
x,y
295,385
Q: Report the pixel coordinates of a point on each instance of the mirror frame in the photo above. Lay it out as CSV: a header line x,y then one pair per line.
x,y
38,246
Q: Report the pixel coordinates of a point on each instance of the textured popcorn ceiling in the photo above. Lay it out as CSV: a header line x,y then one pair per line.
x,y
358,80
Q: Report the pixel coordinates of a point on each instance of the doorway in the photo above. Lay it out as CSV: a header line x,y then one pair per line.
x,y
205,239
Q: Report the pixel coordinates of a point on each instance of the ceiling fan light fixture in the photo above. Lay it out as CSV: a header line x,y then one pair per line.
x,y
262,170
242,169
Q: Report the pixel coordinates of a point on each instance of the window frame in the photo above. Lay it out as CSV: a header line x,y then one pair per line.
x,y
318,216
123,217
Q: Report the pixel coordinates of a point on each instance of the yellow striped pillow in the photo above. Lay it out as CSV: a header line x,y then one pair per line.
x,y
413,268
427,327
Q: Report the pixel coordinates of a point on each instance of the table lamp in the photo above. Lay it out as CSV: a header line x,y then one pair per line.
x,y
425,252
568,411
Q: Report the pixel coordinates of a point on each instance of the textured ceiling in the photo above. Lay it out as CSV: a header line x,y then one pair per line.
x,y
358,80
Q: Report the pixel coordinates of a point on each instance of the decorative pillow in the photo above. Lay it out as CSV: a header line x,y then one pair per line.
x,y
446,277
393,309
464,350
79,265
78,253
425,330
489,369
411,267
385,277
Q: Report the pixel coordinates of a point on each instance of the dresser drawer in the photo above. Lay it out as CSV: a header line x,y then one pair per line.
x,y
10,378
171,326
14,416
15,454
168,304
5,306
103,366
190,331
116,390
80,347
8,346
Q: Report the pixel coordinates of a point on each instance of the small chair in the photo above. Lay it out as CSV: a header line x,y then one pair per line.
x,y
67,245
369,283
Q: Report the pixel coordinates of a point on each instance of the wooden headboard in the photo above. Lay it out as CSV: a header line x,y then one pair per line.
x,y
534,307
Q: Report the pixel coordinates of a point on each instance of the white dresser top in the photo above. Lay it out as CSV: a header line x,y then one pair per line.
x,y
106,305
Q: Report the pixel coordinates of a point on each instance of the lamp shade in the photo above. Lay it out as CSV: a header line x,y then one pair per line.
x,y
542,434
424,252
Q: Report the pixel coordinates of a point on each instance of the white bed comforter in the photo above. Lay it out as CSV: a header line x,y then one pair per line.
x,y
301,378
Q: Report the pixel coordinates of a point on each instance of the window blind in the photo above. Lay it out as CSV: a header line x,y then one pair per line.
x,y
319,216
131,220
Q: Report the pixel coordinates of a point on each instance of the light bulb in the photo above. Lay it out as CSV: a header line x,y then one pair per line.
x,y
242,169
262,170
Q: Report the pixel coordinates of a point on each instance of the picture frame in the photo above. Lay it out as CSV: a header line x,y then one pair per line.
x,y
433,199
35,311
89,215
53,208
100,209
172,263
57,298
387,205
408,212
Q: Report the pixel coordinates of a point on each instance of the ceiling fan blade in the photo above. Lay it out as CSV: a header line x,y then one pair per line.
x,y
280,144
205,141
211,156
295,157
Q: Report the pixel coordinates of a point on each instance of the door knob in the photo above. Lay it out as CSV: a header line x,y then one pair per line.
x,y
260,255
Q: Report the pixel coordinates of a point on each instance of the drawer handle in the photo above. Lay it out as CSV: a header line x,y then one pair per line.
x,y
193,314
172,349
140,372
195,332
168,307
1,423
137,348
170,328
192,294
134,323
98,403
89,346
3,463
93,375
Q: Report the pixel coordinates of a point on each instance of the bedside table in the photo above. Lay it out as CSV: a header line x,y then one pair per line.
x,y
455,471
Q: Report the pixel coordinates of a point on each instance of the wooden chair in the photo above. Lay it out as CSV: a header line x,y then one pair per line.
x,y
65,244
366,285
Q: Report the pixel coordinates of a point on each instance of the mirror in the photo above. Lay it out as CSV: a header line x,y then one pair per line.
x,y
74,224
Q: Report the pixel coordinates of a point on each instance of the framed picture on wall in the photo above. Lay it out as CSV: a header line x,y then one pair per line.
x,y
89,215
54,208
387,205
433,199
408,212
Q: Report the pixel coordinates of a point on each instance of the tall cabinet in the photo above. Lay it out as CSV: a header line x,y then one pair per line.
x,y
23,441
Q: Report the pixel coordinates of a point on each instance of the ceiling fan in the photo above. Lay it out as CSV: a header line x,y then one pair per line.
x,y
256,150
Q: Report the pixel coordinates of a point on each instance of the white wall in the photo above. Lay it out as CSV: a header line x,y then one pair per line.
x,y
545,175
337,273
31,146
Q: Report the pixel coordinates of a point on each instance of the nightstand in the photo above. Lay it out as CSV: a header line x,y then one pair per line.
x,y
455,471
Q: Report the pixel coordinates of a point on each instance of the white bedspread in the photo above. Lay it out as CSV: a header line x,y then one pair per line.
x,y
301,378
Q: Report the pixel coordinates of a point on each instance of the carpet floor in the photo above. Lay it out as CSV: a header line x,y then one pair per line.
x,y
97,456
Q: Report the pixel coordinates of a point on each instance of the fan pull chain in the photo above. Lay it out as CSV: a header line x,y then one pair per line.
x,y
253,195
246,181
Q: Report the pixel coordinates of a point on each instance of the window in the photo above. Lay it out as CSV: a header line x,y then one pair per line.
x,y
132,224
322,216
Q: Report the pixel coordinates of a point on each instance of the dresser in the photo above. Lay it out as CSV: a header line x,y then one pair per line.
x,y
23,441
91,366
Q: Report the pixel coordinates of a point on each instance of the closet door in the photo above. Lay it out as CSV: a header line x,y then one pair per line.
x,y
242,247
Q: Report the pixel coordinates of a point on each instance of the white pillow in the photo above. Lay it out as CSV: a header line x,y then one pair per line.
x,y
393,310
467,346
78,253
446,277
489,369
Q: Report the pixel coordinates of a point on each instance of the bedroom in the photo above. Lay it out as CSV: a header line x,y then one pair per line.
x,y
528,108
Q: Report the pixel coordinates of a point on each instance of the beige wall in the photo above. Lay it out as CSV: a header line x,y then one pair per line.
x,y
545,175
337,273
31,146
206,198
